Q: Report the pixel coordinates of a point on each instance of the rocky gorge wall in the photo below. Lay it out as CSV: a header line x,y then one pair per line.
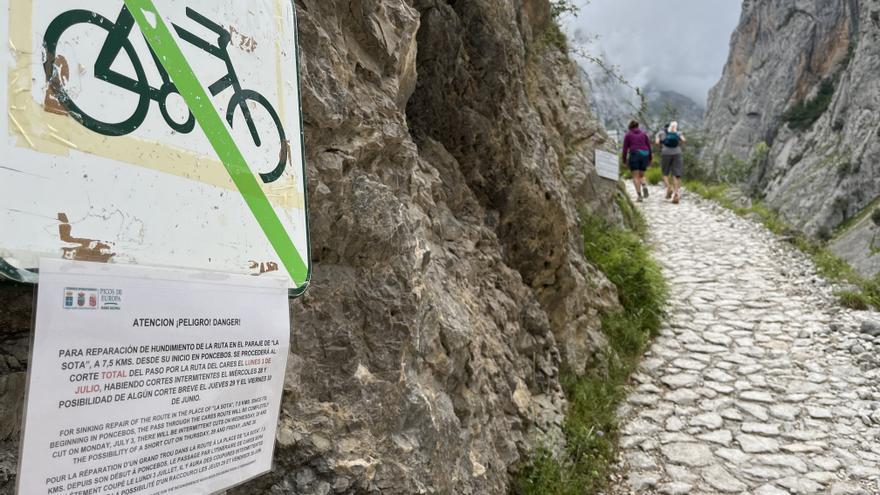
x,y
449,147
827,174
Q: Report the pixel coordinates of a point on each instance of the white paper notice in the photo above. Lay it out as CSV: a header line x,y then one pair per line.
x,y
152,381
607,165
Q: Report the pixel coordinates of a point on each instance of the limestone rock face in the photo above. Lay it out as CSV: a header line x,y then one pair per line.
x,y
860,245
450,148
781,53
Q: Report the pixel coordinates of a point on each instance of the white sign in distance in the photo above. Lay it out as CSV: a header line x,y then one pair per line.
x,y
607,165
156,132
148,381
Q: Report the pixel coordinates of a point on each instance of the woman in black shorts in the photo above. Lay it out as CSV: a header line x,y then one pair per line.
x,y
637,154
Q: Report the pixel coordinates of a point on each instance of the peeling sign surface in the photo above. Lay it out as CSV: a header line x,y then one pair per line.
x,y
157,132
84,249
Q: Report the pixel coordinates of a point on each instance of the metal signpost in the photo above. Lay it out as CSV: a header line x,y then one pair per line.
x,y
154,132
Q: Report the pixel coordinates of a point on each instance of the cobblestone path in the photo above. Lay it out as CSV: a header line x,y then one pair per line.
x,y
759,383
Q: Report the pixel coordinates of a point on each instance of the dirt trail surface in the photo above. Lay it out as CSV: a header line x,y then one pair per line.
x,y
758,383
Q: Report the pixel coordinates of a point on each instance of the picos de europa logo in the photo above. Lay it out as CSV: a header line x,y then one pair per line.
x,y
88,298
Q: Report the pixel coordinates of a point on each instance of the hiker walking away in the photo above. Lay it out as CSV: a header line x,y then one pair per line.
x,y
672,160
658,140
637,155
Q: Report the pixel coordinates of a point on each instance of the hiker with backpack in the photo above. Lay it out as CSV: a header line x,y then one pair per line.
x,y
671,160
637,155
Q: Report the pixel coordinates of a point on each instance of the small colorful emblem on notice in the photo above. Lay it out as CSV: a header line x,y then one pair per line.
x,y
79,298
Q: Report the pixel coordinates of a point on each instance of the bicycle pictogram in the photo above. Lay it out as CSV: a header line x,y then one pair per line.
x,y
116,42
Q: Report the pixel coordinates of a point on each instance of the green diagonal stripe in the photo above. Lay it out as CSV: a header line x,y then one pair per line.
x,y
164,45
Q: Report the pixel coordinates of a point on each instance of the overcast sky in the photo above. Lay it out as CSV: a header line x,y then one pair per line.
x,y
680,45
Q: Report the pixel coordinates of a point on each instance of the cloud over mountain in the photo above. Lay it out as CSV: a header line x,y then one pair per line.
x,y
677,45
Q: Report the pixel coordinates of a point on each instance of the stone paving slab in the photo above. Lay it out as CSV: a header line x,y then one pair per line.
x,y
759,383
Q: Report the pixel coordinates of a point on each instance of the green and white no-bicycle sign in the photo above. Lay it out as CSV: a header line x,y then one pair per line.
x,y
155,132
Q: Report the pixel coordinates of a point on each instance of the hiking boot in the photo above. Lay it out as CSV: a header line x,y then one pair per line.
x,y
645,191
675,199
668,193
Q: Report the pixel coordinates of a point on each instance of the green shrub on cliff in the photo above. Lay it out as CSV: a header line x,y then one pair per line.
x,y
560,8
805,113
553,35
693,164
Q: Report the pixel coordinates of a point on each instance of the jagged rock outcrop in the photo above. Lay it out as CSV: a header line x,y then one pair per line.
x,y
449,150
782,54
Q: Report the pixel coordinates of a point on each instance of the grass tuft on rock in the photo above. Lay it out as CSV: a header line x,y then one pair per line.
x,y
864,292
624,258
591,424
632,216
654,175
853,300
